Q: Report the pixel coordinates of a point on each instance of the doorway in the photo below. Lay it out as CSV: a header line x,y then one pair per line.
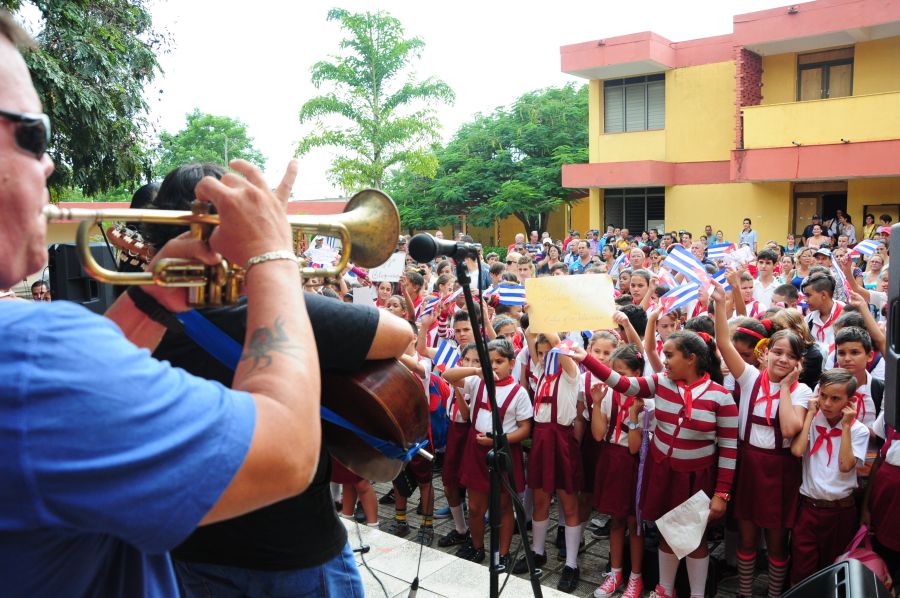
x,y
822,198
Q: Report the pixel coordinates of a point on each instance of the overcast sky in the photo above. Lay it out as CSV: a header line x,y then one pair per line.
x,y
251,60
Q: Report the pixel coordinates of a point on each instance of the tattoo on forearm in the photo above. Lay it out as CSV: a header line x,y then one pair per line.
x,y
264,342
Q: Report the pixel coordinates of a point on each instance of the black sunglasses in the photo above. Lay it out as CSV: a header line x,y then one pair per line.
x,y
32,131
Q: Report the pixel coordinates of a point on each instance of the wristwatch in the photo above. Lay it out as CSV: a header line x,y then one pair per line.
x,y
723,495
632,425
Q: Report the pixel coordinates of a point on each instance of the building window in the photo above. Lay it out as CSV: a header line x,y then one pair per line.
x,y
827,74
637,209
634,104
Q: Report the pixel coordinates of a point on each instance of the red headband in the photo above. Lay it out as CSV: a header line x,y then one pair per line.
x,y
706,338
750,332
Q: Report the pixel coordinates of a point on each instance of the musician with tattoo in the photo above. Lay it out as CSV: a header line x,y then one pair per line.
x,y
296,547
111,457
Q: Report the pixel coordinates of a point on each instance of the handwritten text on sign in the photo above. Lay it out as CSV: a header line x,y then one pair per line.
x,y
566,303
389,271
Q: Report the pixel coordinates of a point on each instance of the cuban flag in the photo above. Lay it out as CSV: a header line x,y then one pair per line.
x,y
331,242
721,251
721,278
551,362
452,296
866,248
666,278
621,263
679,297
682,261
428,306
839,274
511,294
447,354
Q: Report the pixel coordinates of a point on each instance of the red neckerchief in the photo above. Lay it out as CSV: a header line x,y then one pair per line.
x,y
505,382
825,436
698,309
860,405
624,406
659,345
546,388
835,312
769,398
688,396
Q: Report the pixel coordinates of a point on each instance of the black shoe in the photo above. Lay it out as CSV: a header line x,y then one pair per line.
x,y
387,499
466,550
504,563
603,530
454,538
401,530
425,537
477,556
560,537
568,580
438,463
521,565
359,514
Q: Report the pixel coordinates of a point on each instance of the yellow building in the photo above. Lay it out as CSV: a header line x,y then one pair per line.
x,y
795,113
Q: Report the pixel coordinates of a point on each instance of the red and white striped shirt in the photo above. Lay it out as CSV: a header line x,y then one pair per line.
x,y
690,443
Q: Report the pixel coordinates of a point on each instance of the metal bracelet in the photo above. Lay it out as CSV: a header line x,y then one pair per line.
x,y
283,254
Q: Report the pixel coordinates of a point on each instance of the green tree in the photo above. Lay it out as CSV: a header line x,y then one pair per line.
x,y
387,114
509,162
207,138
91,67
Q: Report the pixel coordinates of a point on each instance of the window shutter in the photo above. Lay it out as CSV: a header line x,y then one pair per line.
x,y
636,107
613,110
656,105
612,207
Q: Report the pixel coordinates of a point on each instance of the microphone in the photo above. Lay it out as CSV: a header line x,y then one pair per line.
x,y
424,248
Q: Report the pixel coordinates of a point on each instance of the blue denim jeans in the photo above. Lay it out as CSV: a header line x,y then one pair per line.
x,y
338,577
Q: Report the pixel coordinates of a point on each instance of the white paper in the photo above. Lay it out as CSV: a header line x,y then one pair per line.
x,y
744,255
364,295
683,526
391,270
323,255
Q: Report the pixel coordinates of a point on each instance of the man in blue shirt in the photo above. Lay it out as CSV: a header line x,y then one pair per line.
x,y
584,259
110,458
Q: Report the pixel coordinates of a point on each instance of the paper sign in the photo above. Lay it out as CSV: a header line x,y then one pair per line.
x,y
323,255
561,303
391,270
364,295
683,526
744,255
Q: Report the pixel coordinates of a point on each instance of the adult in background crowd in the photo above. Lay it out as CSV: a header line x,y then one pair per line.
x,y
809,230
113,457
748,235
519,243
40,291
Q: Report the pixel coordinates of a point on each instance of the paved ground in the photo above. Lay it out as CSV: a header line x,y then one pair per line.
x,y
592,560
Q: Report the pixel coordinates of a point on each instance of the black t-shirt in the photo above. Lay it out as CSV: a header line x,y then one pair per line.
x,y
299,532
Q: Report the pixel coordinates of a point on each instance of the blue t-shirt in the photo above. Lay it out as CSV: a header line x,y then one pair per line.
x,y
110,458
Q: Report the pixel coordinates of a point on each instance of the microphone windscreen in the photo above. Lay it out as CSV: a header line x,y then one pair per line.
x,y
423,247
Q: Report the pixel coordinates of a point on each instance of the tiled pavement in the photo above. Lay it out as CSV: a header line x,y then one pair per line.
x,y
441,574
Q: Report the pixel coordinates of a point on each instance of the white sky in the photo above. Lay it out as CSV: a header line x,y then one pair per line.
x,y
251,60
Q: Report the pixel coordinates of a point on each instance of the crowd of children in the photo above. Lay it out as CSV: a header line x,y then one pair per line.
x,y
764,391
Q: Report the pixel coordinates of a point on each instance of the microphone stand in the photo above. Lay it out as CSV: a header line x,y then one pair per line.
x,y
499,461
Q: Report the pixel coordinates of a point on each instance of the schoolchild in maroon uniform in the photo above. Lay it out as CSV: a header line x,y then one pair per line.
x,y
616,423
601,346
882,503
772,406
515,414
355,488
832,445
695,443
458,411
554,462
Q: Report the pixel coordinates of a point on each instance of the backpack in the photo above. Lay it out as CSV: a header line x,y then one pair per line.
x,y
860,548
439,421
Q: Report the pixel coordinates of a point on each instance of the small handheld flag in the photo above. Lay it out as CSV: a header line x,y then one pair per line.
x,y
620,263
866,248
679,297
722,278
720,251
447,354
511,294
682,261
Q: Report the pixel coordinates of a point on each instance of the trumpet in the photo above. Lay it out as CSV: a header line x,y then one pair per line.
x,y
368,229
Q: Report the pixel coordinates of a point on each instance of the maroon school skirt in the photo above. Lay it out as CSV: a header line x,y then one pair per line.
x,y
474,472
884,505
590,451
663,488
615,482
767,490
453,454
554,462
342,475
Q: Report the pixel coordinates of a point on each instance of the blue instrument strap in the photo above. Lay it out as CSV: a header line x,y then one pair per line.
x,y
227,351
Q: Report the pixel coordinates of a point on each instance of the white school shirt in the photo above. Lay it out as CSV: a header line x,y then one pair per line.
x,y
816,322
865,390
606,408
822,481
877,371
519,408
457,395
764,436
762,293
566,400
893,452
584,378
521,361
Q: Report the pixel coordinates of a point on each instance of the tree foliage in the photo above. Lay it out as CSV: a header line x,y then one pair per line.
x,y
387,117
93,61
504,163
206,138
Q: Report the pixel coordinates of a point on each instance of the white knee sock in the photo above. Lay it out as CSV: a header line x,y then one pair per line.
x,y
458,519
573,541
336,491
668,567
697,570
539,535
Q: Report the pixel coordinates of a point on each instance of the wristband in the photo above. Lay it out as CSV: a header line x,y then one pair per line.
x,y
151,308
723,495
283,254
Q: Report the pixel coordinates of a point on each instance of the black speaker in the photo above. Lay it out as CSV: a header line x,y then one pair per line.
x,y
892,358
69,281
847,579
